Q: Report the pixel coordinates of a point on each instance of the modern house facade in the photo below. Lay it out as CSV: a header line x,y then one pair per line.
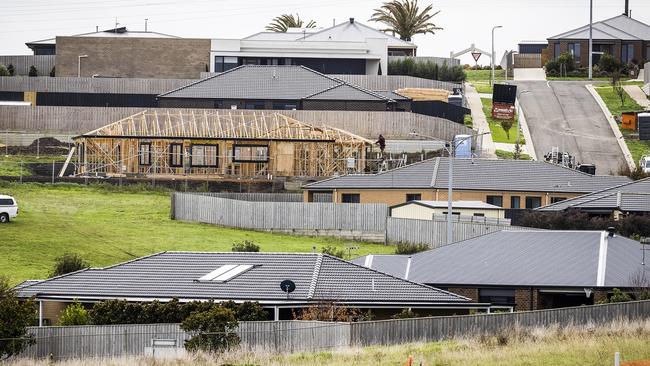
x,y
527,270
202,276
623,37
345,48
510,184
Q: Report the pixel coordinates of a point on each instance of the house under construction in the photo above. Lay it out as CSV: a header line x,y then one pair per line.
x,y
215,144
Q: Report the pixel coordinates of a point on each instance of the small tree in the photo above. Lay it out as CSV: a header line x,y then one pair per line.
x,y
609,63
618,88
3,71
74,314
212,330
33,71
506,124
53,71
68,263
245,246
15,316
11,69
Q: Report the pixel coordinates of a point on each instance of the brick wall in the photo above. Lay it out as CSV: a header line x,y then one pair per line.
x,y
471,293
156,58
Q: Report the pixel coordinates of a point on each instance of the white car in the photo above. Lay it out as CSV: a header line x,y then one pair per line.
x,y
644,164
8,208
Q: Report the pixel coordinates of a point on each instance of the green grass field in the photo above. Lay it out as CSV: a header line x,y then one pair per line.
x,y
107,226
637,148
481,79
497,132
503,154
10,165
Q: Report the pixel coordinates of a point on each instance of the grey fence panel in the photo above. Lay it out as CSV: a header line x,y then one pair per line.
x,y
279,215
22,64
258,197
88,85
430,329
77,120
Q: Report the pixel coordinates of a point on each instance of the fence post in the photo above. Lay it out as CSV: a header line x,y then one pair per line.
x,y
52,171
172,213
21,171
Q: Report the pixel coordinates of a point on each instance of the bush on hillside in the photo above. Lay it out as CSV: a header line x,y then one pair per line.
x,y
409,248
333,251
245,246
68,263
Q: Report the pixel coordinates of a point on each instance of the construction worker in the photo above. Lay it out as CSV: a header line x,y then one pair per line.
x,y
382,143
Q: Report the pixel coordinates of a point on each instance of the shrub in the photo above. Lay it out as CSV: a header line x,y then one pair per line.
x,y
552,66
33,71
68,263
53,71
568,61
212,330
409,248
573,219
11,69
609,63
331,312
333,251
15,316
4,71
506,124
74,314
245,246
405,314
618,296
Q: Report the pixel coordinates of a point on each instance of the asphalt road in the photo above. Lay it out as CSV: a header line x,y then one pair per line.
x,y
565,114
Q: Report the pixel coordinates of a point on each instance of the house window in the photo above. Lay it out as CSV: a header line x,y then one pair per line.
x,y
255,104
452,213
574,49
413,197
495,200
556,50
204,156
351,198
557,199
647,52
145,153
533,202
479,214
250,153
627,53
224,63
515,202
176,155
287,106
497,296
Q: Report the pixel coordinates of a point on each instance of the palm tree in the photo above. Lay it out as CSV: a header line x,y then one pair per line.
x,y
405,18
286,21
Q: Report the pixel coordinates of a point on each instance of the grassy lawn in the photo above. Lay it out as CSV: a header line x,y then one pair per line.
x,y
10,165
481,79
469,121
107,226
497,132
637,148
503,154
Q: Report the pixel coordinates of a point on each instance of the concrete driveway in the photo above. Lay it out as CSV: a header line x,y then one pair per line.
x,y
565,114
528,74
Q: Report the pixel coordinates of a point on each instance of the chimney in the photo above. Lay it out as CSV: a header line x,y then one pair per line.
x,y
627,8
351,20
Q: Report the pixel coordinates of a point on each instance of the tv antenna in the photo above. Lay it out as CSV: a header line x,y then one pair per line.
x,y
288,286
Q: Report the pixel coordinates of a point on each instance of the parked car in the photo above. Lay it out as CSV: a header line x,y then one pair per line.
x,y
644,164
8,208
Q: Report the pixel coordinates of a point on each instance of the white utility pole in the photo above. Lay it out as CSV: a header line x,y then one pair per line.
x,y
492,55
591,45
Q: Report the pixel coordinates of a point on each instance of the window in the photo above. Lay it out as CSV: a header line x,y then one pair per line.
x,y
204,156
175,155
224,63
6,202
413,197
250,153
145,153
515,202
556,50
557,199
533,202
479,214
627,53
497,296
287,106
495,200
254,104
647,52
574,49
351,198
452,213
226,272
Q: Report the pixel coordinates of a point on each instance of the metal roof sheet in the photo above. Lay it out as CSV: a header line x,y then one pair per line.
x,y
634,197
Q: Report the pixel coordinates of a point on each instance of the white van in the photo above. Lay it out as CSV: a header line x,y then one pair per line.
x,y
8,208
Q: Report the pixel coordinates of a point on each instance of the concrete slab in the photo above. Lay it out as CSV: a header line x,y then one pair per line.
x,y
637,95
480,122
529,74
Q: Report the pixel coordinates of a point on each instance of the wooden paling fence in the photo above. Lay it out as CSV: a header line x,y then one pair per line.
x,y
258,197
526,60
295,336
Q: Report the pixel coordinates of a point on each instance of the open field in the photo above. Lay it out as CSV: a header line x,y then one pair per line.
x,y
637,148
106,225
554,345
481,79
497,132
16,165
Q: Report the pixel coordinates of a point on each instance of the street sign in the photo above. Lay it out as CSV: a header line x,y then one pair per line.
x,y
476,55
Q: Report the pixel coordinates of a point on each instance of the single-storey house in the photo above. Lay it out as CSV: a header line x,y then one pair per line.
x,y
425,210
279,87
511,184
625,199
623,37
201,276
526,270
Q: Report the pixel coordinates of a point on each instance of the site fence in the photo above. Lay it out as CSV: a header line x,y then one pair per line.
x,y
295,336
20,123
287,213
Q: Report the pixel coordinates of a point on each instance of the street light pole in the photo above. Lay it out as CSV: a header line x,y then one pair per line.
x,y
492,55
591,45
79,65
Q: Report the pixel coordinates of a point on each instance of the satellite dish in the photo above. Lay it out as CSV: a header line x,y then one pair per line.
x,y
288,286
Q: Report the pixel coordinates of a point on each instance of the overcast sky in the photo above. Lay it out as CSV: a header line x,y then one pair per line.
x,y
464,21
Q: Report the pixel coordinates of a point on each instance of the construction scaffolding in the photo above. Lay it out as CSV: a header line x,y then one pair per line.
x,y
217,144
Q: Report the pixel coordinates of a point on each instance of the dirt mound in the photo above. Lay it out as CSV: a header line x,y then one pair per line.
x,y
42,146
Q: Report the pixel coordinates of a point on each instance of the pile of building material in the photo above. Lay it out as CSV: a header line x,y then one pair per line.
x,y
425,94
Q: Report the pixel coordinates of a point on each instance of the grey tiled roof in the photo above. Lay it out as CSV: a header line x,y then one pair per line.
x,y
635,196
522,258
279,82
175,274
618,27
478,174
391,95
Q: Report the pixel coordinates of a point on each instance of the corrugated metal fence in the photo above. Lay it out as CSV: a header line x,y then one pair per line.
x,y
294,336
279,215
